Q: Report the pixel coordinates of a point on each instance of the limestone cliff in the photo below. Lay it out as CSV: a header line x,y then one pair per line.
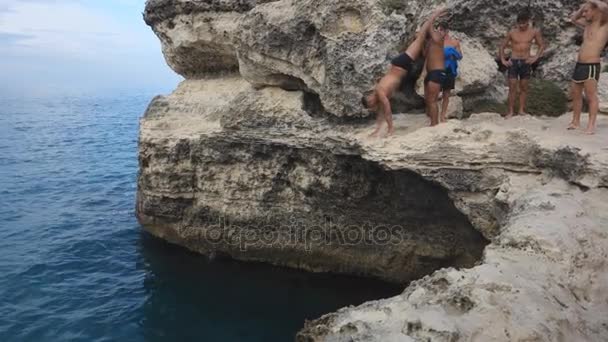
x,y
262,154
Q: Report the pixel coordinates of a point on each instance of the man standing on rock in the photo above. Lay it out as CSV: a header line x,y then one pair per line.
x,y
436,75
593,17
521,39
379,98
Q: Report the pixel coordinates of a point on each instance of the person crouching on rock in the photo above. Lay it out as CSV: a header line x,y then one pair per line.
x,y
520,64
453,53
379,98
436,75
593,17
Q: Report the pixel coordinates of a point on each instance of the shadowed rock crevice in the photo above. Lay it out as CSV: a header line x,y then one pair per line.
x,y
305,209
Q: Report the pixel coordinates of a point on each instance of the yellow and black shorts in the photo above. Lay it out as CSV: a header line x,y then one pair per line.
x,y
586,71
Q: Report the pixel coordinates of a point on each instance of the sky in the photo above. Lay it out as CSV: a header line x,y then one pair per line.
x,y
54,47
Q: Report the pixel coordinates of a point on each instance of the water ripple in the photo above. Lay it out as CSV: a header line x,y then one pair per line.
x,y
75,265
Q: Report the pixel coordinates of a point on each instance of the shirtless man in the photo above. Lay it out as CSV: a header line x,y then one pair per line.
x,y
521,39
378,99
435,77
593,17
449,45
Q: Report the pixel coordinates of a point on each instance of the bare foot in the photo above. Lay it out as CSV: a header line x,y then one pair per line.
x,y
590,131
391,132
573,126
443,119
523,114
509,116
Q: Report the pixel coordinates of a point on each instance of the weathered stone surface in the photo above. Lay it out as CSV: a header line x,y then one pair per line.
x,y
217,184
335,49
455,108
544,278
268,164
196,36
603,93
477,70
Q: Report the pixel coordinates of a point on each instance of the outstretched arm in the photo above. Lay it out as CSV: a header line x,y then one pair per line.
x,y
503,46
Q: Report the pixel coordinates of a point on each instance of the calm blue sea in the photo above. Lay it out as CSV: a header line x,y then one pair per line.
x,y
75,265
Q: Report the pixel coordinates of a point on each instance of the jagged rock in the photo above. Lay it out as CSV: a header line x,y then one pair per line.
x,y
477,70
544,279
196,36
455,108
335,49
268,165
560,65
603,93
490,21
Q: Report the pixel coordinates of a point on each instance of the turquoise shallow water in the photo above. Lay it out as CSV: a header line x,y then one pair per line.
x,y
75,265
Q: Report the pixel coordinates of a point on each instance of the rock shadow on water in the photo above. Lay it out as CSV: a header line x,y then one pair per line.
x,y
190,297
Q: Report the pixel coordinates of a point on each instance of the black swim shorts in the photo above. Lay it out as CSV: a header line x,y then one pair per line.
x,y
519,69
403,61
435,76
586,71
449,83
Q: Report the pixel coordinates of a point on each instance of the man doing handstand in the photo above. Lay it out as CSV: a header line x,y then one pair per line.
x,y
379,98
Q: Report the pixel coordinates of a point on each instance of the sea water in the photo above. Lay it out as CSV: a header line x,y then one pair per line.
x,y
76,266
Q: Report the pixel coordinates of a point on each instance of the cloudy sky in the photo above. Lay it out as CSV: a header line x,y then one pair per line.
x,y
79,46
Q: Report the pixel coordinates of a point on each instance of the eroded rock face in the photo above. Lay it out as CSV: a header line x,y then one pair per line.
x,y
335,49
542,279
196,36
257,156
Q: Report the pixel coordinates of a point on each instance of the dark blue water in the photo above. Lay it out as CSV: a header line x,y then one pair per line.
x,y
75,265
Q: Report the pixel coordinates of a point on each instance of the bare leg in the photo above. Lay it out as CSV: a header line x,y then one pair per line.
x,y
591,93
431,95
444,105
523,95
379,122
512,94
379,116
577,105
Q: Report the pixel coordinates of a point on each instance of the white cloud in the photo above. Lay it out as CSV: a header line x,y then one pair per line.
x,y
64,28
109,39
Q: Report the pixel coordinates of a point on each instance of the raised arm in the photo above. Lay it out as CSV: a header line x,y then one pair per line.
x,y
602,6
577,17
503,46
427,27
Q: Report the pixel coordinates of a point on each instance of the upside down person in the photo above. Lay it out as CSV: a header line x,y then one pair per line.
x,y
379,98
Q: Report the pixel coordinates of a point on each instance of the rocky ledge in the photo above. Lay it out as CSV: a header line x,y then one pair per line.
x,y
497,228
